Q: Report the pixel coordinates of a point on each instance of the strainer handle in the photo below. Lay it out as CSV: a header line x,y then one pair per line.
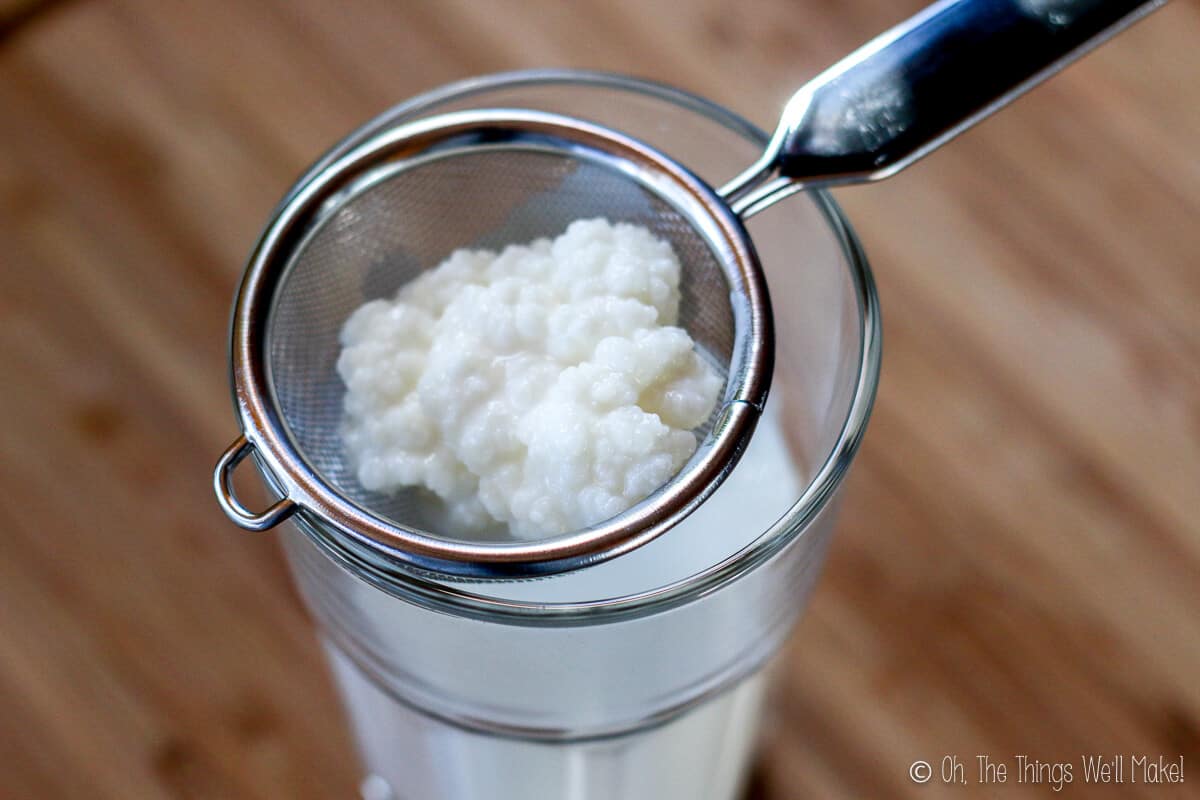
x,y
928,79
223,486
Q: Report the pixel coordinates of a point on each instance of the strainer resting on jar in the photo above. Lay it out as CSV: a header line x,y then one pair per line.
x,y
369,218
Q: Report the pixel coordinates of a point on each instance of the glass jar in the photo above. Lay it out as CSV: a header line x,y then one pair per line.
x,y
640,677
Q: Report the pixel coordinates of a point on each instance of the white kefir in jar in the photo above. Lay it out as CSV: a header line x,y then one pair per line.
x,y
699,755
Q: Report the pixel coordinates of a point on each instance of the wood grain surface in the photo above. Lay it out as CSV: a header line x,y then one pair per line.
x,y
1017,569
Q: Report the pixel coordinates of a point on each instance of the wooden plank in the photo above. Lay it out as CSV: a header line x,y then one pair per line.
x,y
1018,564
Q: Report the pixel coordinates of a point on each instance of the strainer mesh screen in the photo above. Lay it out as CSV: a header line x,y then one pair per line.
x,y
382,236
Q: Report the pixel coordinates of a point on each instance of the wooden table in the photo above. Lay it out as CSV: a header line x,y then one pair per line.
x,y
1018,565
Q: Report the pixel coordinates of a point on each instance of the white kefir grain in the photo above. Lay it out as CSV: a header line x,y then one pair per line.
x,y
544,387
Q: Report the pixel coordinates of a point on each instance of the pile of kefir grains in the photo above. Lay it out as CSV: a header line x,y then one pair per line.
x,y
544,387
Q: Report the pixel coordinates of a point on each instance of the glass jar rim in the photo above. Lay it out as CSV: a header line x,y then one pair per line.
x,y
435,591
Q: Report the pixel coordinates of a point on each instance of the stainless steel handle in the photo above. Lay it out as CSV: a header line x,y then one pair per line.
x,y
932,77
223,486
925,81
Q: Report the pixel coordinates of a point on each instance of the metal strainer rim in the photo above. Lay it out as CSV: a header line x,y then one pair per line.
x,y
306,491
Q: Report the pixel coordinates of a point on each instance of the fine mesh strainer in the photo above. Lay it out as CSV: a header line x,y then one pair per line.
x,y
400,201
399,204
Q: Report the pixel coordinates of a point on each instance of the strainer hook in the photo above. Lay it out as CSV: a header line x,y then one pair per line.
x,y
233,507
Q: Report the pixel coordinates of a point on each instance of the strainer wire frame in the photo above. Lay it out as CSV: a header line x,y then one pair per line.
x,y
304,491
